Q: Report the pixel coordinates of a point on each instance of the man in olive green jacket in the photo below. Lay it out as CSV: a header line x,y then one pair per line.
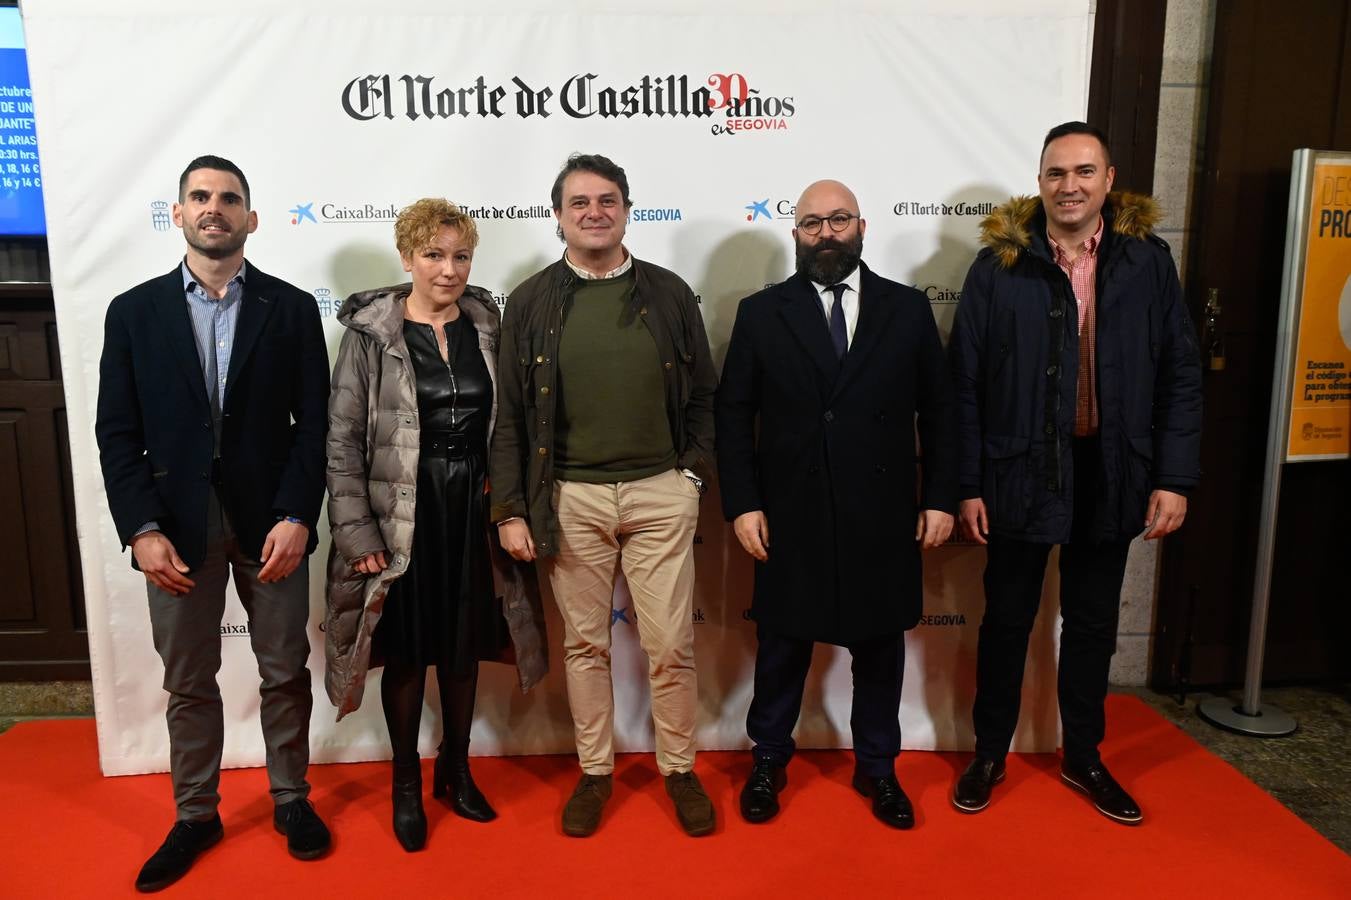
x,y
604,437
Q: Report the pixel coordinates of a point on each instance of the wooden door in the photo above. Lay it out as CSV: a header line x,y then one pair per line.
x,y
42,618
1281,79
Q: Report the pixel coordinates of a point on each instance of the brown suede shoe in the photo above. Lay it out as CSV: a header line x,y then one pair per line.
x,y
693,808
581,814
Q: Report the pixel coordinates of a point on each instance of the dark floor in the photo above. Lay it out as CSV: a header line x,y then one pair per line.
x,y
1309,771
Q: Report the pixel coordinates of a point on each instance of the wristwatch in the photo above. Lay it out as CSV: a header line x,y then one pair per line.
x,y
694,480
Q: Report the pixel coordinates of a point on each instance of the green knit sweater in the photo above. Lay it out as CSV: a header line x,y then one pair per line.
x,y
611,403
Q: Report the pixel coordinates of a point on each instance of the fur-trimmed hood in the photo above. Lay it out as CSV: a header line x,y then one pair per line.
x,y
379,313
1007,230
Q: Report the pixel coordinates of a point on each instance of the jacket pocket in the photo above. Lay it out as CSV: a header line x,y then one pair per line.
x,y
530,356
1003,339
684,372
1007,480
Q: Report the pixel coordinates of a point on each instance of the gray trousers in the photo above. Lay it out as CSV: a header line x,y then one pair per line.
x,y
187,633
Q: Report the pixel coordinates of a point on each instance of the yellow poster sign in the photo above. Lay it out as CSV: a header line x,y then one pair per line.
x,y
1320,402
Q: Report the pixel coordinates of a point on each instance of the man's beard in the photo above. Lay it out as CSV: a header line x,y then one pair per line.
x,y
829,260
233,240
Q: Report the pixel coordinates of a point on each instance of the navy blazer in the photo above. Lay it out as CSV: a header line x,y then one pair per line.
x,y
154,419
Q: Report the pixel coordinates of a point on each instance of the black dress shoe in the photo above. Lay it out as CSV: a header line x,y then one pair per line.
x,y
760,796
972,792
306,835
451,777
890,804
1108,796
187,840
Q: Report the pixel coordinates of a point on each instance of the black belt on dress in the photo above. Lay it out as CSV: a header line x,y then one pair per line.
x,y
450,444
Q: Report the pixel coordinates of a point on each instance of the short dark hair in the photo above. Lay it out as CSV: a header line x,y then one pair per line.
x,y
220,164
596,165
1069,128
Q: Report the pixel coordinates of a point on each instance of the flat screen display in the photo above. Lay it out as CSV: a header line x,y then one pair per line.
x,y
21,212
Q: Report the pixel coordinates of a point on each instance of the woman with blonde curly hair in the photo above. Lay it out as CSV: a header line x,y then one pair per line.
x,y
410,577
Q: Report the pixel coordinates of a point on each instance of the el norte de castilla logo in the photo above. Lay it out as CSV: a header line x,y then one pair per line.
x,y
728,102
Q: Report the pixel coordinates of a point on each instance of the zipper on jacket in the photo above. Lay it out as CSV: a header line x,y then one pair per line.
x,y
454,385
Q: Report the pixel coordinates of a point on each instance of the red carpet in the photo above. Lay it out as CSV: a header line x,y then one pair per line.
x,y
66,831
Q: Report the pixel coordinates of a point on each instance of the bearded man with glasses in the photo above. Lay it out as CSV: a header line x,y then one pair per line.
x,y
826,376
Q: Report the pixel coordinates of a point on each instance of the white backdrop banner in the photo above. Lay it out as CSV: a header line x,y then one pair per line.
x,y
720,113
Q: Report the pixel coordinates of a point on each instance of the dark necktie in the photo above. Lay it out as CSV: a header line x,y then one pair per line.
x,y
839,334
212,374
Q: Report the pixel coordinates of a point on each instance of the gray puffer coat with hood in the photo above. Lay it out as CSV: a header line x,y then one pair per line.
x,y
373,446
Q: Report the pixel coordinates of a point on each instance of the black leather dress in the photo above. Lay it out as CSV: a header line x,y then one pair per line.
x,y
442,611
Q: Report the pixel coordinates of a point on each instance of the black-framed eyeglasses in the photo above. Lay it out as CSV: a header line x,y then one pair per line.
x,y
838,222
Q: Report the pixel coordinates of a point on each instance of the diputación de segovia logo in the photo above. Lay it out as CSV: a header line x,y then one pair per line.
x,y
728,102
325,302
160,219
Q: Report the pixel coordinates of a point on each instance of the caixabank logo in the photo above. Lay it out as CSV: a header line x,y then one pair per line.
x,y
627,615
769,209
341,213
727,103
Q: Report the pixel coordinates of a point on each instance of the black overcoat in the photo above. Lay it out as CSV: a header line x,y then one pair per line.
x,y
833,460
154,419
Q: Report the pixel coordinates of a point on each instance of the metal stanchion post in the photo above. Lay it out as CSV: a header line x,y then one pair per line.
x,y
1251,717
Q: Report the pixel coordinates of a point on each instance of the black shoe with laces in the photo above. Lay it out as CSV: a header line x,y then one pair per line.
x,y
760,796
187,840
1109,797
890,804
972,791
306,835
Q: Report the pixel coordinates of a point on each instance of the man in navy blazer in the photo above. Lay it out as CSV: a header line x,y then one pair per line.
x,y
212,412
827,377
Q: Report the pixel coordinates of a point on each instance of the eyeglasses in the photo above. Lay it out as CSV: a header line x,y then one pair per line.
x,y
838,222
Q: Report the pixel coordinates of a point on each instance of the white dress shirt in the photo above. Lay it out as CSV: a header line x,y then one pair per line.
x,y
849,298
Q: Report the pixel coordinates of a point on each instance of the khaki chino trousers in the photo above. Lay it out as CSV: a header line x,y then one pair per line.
x,y
646,528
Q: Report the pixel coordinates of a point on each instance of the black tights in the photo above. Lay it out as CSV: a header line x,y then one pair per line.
x,y
401,690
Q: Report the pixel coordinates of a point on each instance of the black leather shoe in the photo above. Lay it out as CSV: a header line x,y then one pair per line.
x,y
972,792
760,796
451,776
306,835
890,804
410,822
1108,796
187,840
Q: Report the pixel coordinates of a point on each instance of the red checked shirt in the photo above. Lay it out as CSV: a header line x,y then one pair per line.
x,y
1082,273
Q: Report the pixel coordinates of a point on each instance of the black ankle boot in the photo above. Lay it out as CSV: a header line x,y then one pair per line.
x,y
410,822
451,775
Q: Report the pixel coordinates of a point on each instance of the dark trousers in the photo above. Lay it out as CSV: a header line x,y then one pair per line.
x,y
187,637
781,665
1091,574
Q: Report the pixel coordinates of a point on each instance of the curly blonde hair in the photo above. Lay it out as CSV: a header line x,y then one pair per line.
x,y
419,222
